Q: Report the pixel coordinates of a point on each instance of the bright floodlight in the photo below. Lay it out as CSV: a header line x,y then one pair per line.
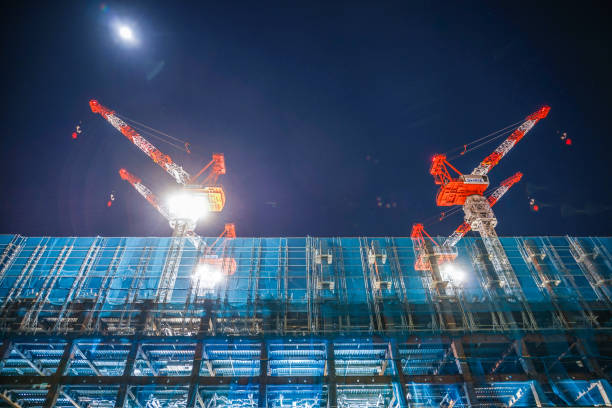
x,y
188,206
126,33
452,272
207,276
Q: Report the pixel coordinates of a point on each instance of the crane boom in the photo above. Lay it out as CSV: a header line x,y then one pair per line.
x,y
491,160
492,200
163,160
145,192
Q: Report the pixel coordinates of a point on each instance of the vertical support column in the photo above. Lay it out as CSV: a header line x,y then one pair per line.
x,y
263,374
464,370
56,378
5,351
522,352
197,360
591,362
127,372
195,373
536,396
332,397
520,346
604,394
399,372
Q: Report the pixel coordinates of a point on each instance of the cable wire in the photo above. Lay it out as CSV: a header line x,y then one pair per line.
x,y
179,147
151,129
484,137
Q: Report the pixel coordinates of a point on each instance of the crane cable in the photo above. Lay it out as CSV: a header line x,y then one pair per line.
x,y
157,134
161,139
507,132
492,135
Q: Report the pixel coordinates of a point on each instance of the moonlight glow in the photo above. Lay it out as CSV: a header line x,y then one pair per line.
x,y
126,33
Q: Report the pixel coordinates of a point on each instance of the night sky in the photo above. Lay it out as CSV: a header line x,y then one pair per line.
x,y
320,109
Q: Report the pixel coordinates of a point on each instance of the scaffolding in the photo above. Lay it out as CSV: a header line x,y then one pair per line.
x,y
303,323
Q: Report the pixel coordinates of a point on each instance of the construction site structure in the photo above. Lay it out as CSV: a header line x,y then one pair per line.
x,y
303,322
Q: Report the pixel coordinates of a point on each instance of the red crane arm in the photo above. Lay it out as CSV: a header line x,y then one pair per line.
x,y
229,232
163,160
440,171
417,236
491,160
145,192
492,199
218,168
503,188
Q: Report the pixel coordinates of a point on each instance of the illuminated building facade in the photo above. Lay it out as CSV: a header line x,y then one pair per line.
x,y
302,323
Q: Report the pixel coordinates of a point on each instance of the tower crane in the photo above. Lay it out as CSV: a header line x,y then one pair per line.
x,y
185,227
185,209
207,188
467,190
455,190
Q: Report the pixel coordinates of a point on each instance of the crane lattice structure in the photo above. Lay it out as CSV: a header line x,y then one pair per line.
x,y
467,190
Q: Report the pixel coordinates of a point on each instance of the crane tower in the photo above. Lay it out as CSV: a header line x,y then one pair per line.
x,y
184,209
467,190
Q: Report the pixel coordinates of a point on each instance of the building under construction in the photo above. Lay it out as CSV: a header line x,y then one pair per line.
x,y
302,323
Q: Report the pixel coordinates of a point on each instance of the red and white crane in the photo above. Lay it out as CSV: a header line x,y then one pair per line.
x,y
207,188
184,209
467,191
455,190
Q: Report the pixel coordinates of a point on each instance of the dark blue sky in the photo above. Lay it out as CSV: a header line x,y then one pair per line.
x,y
298,97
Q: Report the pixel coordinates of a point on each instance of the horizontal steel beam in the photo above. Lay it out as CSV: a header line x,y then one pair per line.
x,y
26,380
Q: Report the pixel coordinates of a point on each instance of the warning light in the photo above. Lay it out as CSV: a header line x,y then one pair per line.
x,y
109,203
568,142
536,207
74,135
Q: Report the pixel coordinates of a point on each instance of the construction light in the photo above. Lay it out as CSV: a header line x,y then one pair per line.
x,y
187,206
452,272
207,276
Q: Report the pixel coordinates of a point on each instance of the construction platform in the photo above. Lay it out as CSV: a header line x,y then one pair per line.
x,y
302,323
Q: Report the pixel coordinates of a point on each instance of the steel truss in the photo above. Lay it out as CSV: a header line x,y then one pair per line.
x,y
398,363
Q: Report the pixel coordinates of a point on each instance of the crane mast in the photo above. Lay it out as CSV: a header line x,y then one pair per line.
x,y
182,228
446,252
492,200
163,160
